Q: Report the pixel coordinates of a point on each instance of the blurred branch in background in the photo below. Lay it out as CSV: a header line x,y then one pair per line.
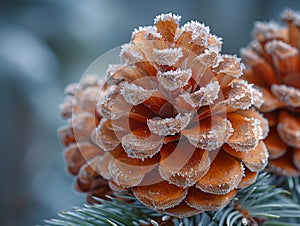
x,y
47,44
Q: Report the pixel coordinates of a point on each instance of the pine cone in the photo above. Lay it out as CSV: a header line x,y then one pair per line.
x,y
272,61
176,127
81,153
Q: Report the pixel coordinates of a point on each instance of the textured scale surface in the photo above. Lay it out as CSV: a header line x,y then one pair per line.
x,y
173,124
273,65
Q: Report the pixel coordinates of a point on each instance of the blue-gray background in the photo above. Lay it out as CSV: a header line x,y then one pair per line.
x,y
46,44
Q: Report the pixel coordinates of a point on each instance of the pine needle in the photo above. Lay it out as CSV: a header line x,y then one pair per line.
x,y
262,203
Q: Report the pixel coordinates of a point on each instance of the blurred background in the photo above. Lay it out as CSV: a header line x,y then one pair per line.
x,y
46,44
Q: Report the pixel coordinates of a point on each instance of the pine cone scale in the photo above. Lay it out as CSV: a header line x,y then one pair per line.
x,y
248,179
207,202
183,165
160,196
223,176
276,147
288,129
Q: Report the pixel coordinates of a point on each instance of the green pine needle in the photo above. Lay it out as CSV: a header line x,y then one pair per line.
x,y
260,204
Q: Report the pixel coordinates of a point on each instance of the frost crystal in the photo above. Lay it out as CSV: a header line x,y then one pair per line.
x,y
169,126
134,94
172,80
148,30
202,97
140,147
212,138
167,56
127,175
297,20
112,68
89,80
210,57
166,17
129,54
257,97
71,89
250,57
200,32
185,165
289,95
242,95
112,106
267,30
231,65
107,142
256,45
247,134
256,128
288,129
214,42
281,49
289,14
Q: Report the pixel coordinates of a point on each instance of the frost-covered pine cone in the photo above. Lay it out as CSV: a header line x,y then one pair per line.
x,y
81,153
176,125
273,64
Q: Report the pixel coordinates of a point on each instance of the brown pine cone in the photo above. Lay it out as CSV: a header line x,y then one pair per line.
x,y
176,127
81,153
273,64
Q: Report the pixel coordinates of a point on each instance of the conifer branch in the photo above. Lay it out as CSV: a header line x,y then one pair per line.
x,y
260,204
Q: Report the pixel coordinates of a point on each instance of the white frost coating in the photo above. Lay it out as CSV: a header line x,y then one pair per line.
x,y
172,80
167,56
247,137
146,197
71,89
296,21
112,68
212,139
256,128
225,187
288,134
105,141
215,42
255,44
129,54
289,14
281,49
231,65
267,30
134,94
242,95
200,32
255,166
111,106
204,96
167,17
289,95
210,57
89,80
169,126
257,97
126,175
250,57
141,148
264,125
149,30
